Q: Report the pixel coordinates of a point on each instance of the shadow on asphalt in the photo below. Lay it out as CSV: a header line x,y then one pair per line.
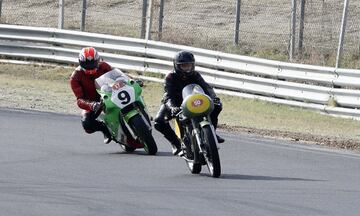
x,y
141,152
262,178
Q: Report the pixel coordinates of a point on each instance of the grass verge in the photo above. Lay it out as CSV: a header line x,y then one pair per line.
x,y
47,89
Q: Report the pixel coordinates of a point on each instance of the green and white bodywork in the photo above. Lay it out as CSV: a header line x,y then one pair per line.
x,y
125,112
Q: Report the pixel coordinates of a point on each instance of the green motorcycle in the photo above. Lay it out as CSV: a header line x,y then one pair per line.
x,y
125,113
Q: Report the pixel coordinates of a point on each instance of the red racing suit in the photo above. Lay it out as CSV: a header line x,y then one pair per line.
x,y
84,89
83,86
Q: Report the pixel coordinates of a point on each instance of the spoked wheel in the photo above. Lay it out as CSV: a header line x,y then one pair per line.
x,y
211,153
144,134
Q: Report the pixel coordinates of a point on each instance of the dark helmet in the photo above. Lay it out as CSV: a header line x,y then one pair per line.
x,y
89,59
184,63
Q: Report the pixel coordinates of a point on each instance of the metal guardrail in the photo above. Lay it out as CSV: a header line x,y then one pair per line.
x,y
287,83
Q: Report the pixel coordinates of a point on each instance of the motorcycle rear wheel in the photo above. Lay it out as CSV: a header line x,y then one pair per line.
x,y
142,131
211,153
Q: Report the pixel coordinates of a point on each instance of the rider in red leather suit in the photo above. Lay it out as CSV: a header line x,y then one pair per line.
x,y
82,83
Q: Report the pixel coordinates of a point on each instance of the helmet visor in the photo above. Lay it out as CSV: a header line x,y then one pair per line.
x,y
186,67
89,65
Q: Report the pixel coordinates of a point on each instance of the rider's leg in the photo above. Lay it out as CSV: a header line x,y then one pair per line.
x,y
91,125
214,119
163,126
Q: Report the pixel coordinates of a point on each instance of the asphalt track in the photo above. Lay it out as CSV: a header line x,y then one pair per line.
x,y
49,166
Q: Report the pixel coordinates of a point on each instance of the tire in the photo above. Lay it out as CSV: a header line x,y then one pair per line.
x,y
194,168
211,153
141,130
189,155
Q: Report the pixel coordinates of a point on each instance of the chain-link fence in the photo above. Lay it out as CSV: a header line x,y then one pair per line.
x,y
118,17
352,35
322,24
265,25
30,12
114,17
208,24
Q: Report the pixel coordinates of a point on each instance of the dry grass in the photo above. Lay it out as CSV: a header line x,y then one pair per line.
x,y
263,115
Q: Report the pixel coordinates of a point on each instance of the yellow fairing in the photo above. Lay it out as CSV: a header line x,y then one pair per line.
x,y
198,103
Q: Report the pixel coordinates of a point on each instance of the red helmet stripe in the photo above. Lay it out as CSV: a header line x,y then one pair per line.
x,y
91,52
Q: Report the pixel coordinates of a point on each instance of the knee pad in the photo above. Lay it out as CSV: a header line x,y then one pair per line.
x,y
88,126
159,125
162,127
217,108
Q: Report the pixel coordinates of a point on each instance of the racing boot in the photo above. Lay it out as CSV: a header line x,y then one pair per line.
x,y
107,139
220,139
175,145
214,120
176,148
106,132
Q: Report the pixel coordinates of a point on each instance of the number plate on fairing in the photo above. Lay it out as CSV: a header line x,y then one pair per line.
x,y
123,96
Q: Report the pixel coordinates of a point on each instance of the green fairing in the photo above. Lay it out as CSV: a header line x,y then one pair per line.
x,y
137,88
138,91
112,111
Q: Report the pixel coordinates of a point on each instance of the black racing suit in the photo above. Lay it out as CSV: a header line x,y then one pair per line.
x,y
174,83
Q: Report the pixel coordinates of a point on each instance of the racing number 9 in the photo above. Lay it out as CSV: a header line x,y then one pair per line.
x,y
124,97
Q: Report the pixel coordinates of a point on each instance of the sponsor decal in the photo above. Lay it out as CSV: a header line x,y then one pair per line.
x,y
197,102
118,85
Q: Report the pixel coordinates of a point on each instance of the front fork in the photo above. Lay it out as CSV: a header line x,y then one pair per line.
x,y
196,132
198,148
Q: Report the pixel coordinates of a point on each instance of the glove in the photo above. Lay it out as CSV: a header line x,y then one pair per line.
x,y
140,82
96,106
216,101
175,110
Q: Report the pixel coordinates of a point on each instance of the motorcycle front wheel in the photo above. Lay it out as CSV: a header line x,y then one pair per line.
x,y
210,152
141,130
194,168
189,150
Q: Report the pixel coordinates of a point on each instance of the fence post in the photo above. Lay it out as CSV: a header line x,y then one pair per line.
x,y
61,14
342,34
83,15
293,30
143,19
359,44
0,7
237,22
161,17
301,30
149,19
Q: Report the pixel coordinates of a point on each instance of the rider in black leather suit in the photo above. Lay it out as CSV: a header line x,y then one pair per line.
x,y
183,74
